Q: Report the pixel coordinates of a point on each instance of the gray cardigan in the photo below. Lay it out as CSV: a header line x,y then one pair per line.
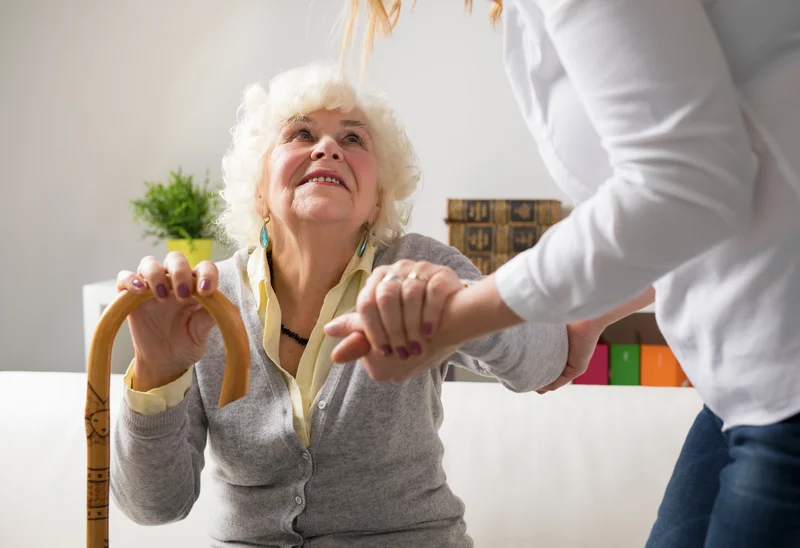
x,y
372,475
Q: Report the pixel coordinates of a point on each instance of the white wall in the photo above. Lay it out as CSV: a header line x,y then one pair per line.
x,y
99,96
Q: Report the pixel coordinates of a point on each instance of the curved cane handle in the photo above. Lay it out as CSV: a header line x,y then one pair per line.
x,y
235,384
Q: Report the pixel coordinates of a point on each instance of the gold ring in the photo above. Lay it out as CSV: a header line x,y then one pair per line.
x,y
417,277
392,278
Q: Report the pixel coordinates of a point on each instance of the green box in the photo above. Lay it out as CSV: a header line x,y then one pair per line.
x,y
624,364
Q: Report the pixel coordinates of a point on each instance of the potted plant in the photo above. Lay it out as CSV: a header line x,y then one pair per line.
x,y
180,212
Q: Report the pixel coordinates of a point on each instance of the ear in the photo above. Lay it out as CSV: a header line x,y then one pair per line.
x,y
373,218
261,206
376,211
261,188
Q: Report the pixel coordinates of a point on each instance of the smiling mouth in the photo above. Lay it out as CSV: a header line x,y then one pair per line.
x,y
324,179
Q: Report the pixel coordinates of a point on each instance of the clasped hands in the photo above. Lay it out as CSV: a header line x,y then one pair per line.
x,y
401,327
393,331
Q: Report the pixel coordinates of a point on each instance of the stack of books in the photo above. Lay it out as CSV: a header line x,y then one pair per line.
x,y
634,365
492,232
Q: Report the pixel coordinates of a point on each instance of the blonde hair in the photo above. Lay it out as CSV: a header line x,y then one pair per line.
x,y
382,15
301,91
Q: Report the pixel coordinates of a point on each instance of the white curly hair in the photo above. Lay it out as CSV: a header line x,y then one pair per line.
x,y
301,91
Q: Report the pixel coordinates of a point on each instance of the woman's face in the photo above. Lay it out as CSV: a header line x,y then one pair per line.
x,y
322,169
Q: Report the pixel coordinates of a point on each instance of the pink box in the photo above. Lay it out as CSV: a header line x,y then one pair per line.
x,y
597,373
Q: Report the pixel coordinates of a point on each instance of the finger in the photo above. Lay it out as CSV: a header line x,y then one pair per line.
x,y
355,346
127,280
562,380
413,292
436,293
552,386
389,298
344,325
367,308
156,277
389,295
207,277
200,324
178,268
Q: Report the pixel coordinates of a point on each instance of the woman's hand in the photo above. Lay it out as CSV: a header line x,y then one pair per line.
x,y
169,332
401,306
379,366
584,335
398,312
582,339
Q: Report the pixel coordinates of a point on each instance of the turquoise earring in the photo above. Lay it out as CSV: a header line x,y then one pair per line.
x,y
362,247
265,235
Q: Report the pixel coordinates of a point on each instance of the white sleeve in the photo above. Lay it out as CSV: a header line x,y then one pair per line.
x,y
656,87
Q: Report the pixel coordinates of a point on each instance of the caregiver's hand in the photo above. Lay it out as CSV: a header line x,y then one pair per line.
x,y
582,338
169,332
584,335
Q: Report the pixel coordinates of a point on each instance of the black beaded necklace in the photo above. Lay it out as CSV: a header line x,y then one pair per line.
x,y
285,330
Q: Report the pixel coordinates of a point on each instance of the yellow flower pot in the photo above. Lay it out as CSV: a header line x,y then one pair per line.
x,y
198,250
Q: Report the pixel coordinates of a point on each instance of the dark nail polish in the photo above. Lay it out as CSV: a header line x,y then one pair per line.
x,y
183,291
386,349
204,285
161,289
427,329
402,353
416,349
137,283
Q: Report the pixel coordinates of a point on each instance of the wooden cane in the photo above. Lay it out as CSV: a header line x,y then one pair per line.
x,y
235,384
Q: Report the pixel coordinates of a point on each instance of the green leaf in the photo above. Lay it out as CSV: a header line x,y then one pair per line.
x,y
178,209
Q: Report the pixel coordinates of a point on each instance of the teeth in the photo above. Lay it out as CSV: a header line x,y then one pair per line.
x,y
325,180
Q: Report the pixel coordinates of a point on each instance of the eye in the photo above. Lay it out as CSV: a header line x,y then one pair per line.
x,y
354,138
302,134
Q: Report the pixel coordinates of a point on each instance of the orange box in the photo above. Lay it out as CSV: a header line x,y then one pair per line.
x,y
660,367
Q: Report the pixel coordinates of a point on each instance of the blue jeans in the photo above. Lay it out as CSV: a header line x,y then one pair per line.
x,y
738,489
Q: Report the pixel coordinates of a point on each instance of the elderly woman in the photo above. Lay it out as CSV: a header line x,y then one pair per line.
x,y
318,453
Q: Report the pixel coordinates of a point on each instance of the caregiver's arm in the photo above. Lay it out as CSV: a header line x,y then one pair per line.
x,y
489,313
657,89
645,298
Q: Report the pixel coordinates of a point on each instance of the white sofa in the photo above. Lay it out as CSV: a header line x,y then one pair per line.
x,y
582,467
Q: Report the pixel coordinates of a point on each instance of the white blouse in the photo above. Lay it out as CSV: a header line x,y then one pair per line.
x,y
675,126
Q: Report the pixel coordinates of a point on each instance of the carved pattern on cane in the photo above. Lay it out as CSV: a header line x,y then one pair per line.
x,y
97,422
235,384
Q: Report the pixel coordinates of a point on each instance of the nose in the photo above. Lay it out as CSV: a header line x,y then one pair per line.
x,y
326,148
